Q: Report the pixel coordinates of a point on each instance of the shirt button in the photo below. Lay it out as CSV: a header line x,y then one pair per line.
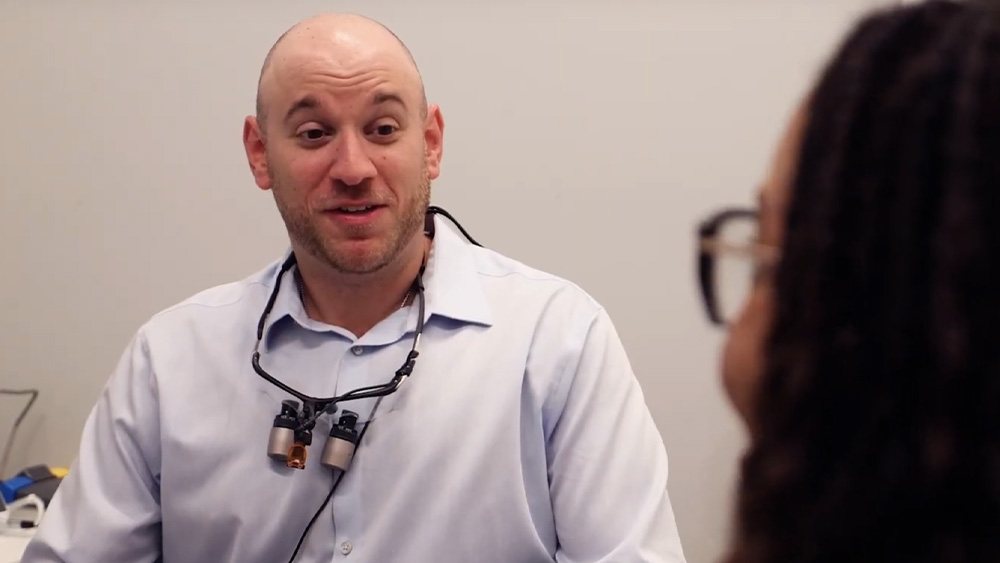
x,y
357,350
346,548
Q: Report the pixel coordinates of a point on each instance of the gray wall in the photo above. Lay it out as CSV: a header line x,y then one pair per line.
x,y
584,138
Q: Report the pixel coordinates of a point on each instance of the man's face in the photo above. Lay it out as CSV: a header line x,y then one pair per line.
x,y
350,150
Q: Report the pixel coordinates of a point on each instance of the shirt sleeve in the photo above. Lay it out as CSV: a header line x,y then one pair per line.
x,y
107,508
607,462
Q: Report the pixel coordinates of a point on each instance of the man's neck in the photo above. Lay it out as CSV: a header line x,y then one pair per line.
x,y
358,302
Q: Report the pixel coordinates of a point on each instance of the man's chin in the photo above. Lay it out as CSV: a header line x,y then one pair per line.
x,y
358,259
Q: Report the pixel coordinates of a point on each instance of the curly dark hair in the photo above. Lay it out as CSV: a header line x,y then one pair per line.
x,y
877,427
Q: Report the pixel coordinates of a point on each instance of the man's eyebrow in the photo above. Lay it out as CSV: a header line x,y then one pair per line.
x,y
385,97
309,102
303,103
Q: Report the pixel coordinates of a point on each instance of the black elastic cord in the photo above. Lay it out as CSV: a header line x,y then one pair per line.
x,y
321,403
315,517
333,489
287,265
379,391
435,210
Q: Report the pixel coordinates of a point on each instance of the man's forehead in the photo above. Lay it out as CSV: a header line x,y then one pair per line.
x,y
312,76
340,40
339,47
330,46
341,57
337,62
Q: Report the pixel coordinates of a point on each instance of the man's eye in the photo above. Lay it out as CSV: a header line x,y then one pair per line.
x,y
313,134
385,130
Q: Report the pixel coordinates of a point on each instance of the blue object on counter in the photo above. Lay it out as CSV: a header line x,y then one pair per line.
x,y
10,487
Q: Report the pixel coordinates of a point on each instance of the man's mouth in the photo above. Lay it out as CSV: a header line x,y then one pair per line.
x,y
355,209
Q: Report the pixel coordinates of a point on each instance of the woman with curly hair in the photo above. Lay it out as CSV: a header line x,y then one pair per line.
x,y
866,357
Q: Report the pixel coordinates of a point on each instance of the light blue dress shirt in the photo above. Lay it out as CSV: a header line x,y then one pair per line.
x,y
522,435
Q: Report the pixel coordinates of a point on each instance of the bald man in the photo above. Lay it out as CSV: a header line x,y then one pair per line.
x,y
386,391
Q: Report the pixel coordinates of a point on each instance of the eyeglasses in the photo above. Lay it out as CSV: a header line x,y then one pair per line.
x,y
729,260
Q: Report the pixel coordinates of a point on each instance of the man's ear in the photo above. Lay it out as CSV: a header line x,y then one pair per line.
x,y
434,140
255,145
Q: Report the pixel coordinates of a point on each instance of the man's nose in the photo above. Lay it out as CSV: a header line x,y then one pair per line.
x,y
352,164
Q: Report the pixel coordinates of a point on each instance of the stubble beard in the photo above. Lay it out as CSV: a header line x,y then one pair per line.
x,y
304,230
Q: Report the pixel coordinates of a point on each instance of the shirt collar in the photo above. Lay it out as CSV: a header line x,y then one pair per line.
x,y
287,304
452,284
452,287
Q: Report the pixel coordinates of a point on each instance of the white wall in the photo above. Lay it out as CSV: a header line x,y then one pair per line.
x,y
585,138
